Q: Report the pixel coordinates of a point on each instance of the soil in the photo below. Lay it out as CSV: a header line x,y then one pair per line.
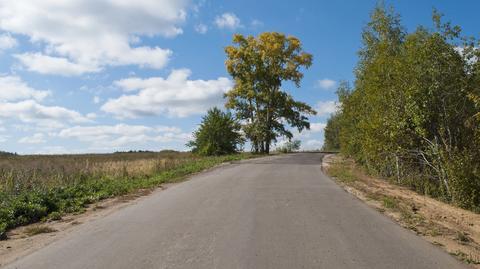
x,y
454,229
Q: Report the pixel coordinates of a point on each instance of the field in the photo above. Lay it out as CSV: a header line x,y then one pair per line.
x,y
40,187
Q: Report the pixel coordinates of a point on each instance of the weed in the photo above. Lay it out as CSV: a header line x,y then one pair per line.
x,y
342,173
55,216
390,202
465,257
462,237
38,229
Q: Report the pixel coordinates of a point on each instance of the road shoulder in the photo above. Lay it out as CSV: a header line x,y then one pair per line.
x,y
453,229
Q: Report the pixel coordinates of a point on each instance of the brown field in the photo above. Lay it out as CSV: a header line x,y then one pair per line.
x,y
43,171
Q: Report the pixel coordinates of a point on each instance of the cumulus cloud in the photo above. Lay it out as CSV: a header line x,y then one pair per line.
x,y
107,136
12,88
316,127
37,138
326,84
312,144
325,108
201,28
175,96
228,20
32,112
86,36
7,42
45,64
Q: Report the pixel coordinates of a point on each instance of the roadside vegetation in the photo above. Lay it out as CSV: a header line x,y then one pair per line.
x,y
37,188
218,134
412,114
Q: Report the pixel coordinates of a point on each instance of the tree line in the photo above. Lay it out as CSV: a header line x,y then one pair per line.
x,y
412,113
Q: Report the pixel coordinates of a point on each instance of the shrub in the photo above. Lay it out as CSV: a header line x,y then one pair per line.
x,y
218,134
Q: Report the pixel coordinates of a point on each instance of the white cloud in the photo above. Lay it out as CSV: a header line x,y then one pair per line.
x,y
228,20
312,144
326,84
317,127
175,96
48,116
256,23
37,138
96,99
325,108
201,28
108,136
89,35
461,51
45,64
12,88
7,42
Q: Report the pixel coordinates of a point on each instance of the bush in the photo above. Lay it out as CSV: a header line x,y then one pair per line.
x,y
218,134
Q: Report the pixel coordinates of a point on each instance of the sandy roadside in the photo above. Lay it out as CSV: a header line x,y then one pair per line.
x,y
455,230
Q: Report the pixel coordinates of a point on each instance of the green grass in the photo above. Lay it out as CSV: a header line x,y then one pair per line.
x,y
36,204
390,202
342,173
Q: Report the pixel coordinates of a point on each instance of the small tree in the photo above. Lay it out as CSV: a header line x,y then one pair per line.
x,y
218,134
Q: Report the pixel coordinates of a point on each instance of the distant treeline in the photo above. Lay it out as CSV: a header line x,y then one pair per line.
x,y
4,153
412,114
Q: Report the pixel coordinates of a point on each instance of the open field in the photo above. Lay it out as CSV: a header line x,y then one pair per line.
x,y
40,187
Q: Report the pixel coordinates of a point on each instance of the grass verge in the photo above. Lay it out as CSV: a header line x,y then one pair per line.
x,y
34,205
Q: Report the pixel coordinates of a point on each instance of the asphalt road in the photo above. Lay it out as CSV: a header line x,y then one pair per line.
x,y
276,212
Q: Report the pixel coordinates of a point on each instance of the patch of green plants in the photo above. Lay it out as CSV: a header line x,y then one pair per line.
x,y
36,204
342,173
390,202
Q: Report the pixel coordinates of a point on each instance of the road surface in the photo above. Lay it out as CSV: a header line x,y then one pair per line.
x,y
275,212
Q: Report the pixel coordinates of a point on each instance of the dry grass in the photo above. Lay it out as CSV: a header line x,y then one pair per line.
x,y
38,229
18,173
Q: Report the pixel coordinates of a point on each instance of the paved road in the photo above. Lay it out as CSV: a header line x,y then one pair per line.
x,y
277,212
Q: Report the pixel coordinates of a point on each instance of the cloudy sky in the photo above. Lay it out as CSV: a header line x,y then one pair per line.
x,y
105,75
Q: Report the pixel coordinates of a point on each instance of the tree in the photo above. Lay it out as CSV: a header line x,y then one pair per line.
x,y
258,67
218,134
413,114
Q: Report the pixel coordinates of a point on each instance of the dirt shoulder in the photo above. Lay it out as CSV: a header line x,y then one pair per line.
x,y
454,229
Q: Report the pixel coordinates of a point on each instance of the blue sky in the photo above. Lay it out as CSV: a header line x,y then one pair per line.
x,y
101,76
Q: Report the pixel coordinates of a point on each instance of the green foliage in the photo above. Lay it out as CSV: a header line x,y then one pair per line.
x,y
332,134
413,112
218,134
259,66
29,205
290,146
